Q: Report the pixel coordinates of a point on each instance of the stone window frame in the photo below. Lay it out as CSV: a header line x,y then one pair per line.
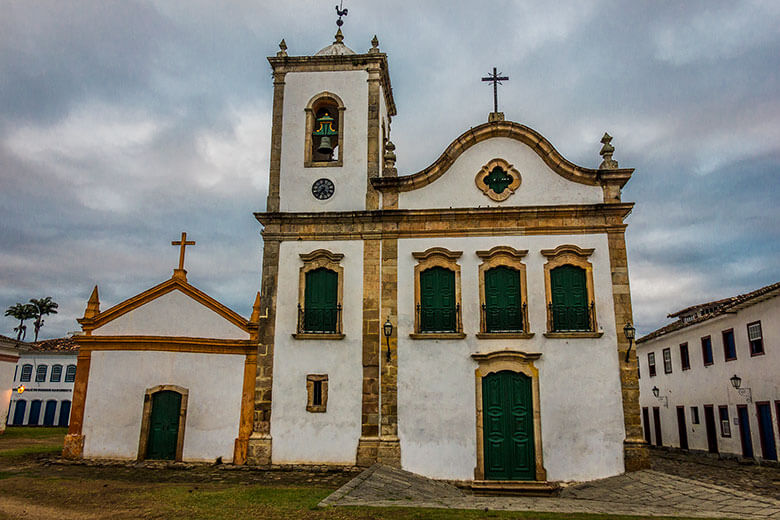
x,y
723,335
569,254
70,373
759,340
508,257
666,354
41,371
26,377
143,442
651,367
56,373
685,356
310,112
323,406
321,258
437,257
485,171
707,347
514,361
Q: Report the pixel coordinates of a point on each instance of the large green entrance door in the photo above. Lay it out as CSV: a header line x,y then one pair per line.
x,y
164,425
508,427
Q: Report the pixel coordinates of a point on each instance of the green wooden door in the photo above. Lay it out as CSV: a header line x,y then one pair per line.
x,y
321,301
164,425
508,428
569,298
503,310
437,300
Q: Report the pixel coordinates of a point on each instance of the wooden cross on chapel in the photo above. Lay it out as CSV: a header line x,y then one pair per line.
x,y
180,272
496,78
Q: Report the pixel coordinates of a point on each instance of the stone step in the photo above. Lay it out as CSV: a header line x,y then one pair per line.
x,y
529,488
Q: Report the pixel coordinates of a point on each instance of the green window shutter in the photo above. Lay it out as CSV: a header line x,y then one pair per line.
x,y
570,306
437,300
503,305
320,306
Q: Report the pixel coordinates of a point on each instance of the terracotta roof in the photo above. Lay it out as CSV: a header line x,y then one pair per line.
x,y
55,345
718,308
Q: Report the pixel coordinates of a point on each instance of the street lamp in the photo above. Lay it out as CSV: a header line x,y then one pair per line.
x,y
736,381
630,333
388,330
661,398
656,392
747,393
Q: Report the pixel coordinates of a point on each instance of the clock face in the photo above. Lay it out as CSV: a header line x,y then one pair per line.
x,y
322,189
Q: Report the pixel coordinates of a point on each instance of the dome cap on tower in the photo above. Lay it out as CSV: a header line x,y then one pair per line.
x,y
337,48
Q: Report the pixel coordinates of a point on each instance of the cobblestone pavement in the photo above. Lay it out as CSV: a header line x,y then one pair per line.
x,y
647,493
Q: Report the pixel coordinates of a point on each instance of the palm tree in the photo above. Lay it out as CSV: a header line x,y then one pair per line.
x,y
43,306
21,312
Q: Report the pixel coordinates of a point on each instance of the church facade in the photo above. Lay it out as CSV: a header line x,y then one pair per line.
x,y
463,322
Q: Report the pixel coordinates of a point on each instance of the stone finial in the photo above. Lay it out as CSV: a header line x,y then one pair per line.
x,y
374,45
495,117
282,49
606,153
255,318
93,305
339,36
389,154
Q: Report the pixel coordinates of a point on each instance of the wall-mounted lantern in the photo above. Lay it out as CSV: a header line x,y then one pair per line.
x,y
630,333
661,398
747,393
388,330
21,389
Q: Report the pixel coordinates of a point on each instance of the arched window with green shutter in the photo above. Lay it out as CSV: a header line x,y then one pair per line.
x,y
570,306
503,302
321,306
437,309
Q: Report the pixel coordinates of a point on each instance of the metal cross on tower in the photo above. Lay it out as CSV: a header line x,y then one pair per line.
x,y
183,243
496,79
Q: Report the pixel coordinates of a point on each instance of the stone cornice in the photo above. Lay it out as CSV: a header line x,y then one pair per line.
x,y
522,133
329,62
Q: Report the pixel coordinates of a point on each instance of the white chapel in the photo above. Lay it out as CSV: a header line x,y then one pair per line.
x,y
463,322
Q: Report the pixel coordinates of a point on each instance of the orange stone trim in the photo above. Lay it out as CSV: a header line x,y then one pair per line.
x,y
487,190
247,409
74,440
167,344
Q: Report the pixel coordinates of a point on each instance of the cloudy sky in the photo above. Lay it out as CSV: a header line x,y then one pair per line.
x,y
123,123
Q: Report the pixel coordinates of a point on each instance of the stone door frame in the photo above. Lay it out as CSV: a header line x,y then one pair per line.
x,y
143,443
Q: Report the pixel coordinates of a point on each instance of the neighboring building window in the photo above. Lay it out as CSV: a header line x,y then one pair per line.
x,y
317,393
685,360
437,292
502,292
26,373
320,295
16,371
324,131
755,338
40,373
56,373
725,427
667,353
706,350
651,363
729,347
569,286
695,414
70,374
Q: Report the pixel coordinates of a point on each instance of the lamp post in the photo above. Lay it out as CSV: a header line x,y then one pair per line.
x,y
630,333
661,398
747,393
387,328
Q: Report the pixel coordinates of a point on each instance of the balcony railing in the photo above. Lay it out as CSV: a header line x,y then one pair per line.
x,y
572,318
511,318
319,320
438,319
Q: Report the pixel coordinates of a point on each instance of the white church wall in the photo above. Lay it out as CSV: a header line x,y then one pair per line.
x,y
7,368
118,381
172,314
349,179
580,394
540,185
710,385
299,435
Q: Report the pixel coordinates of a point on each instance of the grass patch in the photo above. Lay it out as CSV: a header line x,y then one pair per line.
x,y
31,450
32,432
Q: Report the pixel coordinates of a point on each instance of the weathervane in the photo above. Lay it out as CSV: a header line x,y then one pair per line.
x,y
496,79
340,12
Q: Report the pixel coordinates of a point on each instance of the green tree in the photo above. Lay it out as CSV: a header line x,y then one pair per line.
x,y
43,307
21,312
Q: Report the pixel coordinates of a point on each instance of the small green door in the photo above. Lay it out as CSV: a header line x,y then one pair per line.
x,y
164,425
321,301
508,428
569,298
437,300
503,311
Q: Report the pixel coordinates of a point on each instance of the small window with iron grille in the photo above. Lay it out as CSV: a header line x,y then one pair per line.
x,y
317,393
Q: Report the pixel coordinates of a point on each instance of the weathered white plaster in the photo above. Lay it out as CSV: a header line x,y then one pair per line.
x,y
118,381
172,314
298,435
710,385
579,383
7,368
540,185
349,179
44,391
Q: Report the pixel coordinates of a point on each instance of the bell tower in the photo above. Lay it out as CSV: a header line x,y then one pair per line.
x,y
331,119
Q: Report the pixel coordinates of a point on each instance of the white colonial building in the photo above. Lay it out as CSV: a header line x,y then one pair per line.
x,y
43,383
711,380
462,322
9,355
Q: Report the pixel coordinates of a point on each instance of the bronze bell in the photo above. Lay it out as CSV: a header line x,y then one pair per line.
x,y
325,147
